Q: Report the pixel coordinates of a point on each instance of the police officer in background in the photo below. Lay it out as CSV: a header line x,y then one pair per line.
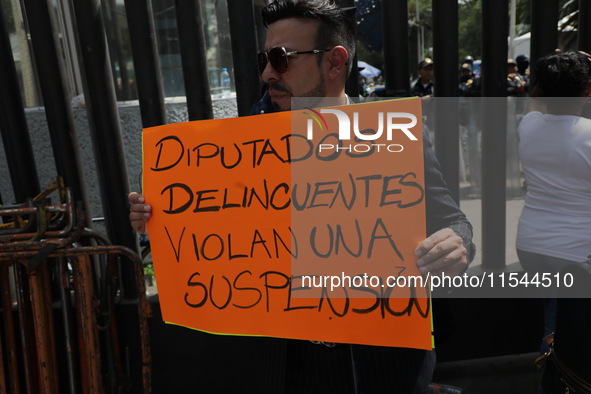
x,y
522,69
522,66
469,85
424,84
516,85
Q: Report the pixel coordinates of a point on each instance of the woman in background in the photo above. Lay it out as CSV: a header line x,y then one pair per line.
x,y
555,152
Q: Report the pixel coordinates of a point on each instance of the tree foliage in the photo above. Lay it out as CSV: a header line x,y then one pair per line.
x,y
470,29
470,23
420,15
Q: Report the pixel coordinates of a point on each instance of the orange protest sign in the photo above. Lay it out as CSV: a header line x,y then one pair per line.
x,y
298,224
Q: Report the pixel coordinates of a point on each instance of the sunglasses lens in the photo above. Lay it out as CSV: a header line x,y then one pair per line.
x,y
263,59
278,59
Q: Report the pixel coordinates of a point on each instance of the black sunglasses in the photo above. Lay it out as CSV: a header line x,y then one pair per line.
x,y
278,58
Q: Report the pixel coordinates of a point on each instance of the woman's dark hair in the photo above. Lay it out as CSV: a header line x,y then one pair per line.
x,y
335,27
564,74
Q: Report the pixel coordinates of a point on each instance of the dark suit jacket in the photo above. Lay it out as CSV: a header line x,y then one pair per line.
x,y
291,366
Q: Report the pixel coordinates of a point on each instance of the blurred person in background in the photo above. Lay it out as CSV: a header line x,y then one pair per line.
x,y
516,85
424,84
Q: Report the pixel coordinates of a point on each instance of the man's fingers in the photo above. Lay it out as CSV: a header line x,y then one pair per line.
x,y
141,216
443,251
136,198
432,241
139,212
451,263
442,255
141,208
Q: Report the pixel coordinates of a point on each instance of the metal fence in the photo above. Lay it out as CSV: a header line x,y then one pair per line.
x,y
457,144
48,257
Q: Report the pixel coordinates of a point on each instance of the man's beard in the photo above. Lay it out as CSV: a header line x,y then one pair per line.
x,y
319,90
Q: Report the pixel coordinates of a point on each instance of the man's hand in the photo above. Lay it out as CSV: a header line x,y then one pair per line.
x,y
443,251
139,212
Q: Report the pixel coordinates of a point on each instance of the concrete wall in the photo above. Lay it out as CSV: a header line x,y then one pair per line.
x,y
131,127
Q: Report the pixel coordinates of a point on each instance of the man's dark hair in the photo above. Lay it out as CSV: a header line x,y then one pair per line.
x,y
564,74
335,28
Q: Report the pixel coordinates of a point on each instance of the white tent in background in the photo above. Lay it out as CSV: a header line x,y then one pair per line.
x,y
367,70
521,45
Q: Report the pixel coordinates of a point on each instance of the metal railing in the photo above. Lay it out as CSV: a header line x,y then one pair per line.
x,y
48,267
59,289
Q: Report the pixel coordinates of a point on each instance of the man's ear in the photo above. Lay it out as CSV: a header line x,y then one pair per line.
x,y
337,60
587,92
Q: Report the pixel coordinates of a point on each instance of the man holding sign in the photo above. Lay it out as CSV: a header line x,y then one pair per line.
x,y
309,50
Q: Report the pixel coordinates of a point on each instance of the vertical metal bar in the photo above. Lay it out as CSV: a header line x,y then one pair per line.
x,y
88,332
114,39
83,353
193,55
3,386
26,328
445,47
13,124
144,312
445,51
9,334
140,21
544,30
352,84
64,290
106,130
42,320
584,26
244,54
395,33
115,351
51,73
113,369
494,48
107,294
48,305
494,131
